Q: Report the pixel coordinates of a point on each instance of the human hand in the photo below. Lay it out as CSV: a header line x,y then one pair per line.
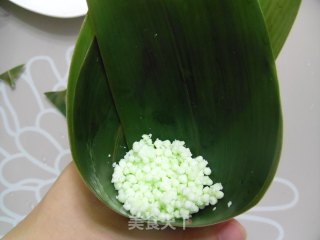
x,y
70,211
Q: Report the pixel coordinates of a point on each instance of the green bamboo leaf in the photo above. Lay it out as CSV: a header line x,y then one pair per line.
x,y
279,16
12,75
175,75
96,136
81,49
83,43
58,99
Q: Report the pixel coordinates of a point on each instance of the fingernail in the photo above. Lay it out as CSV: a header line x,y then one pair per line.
x,y
232,231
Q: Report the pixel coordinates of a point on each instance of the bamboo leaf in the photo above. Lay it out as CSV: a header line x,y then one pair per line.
x,y
93,136
80,52
12,75
58,99
175,75
279,16
83,43
96,139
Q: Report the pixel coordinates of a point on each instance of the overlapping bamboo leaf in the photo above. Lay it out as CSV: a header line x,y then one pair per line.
x,y
190,70
279,16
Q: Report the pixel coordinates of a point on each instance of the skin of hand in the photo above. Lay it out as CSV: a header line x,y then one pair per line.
x,y
70,211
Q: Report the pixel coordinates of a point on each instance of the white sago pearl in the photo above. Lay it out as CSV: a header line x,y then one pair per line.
x,y
161,181
207,171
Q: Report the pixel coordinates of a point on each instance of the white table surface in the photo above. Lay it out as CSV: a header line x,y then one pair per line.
x,y
33,137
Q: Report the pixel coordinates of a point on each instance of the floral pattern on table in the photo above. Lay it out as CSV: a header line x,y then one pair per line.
x,y
34,145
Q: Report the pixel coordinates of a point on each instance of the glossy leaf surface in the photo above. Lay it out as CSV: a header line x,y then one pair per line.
x,y
187,77
189,70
